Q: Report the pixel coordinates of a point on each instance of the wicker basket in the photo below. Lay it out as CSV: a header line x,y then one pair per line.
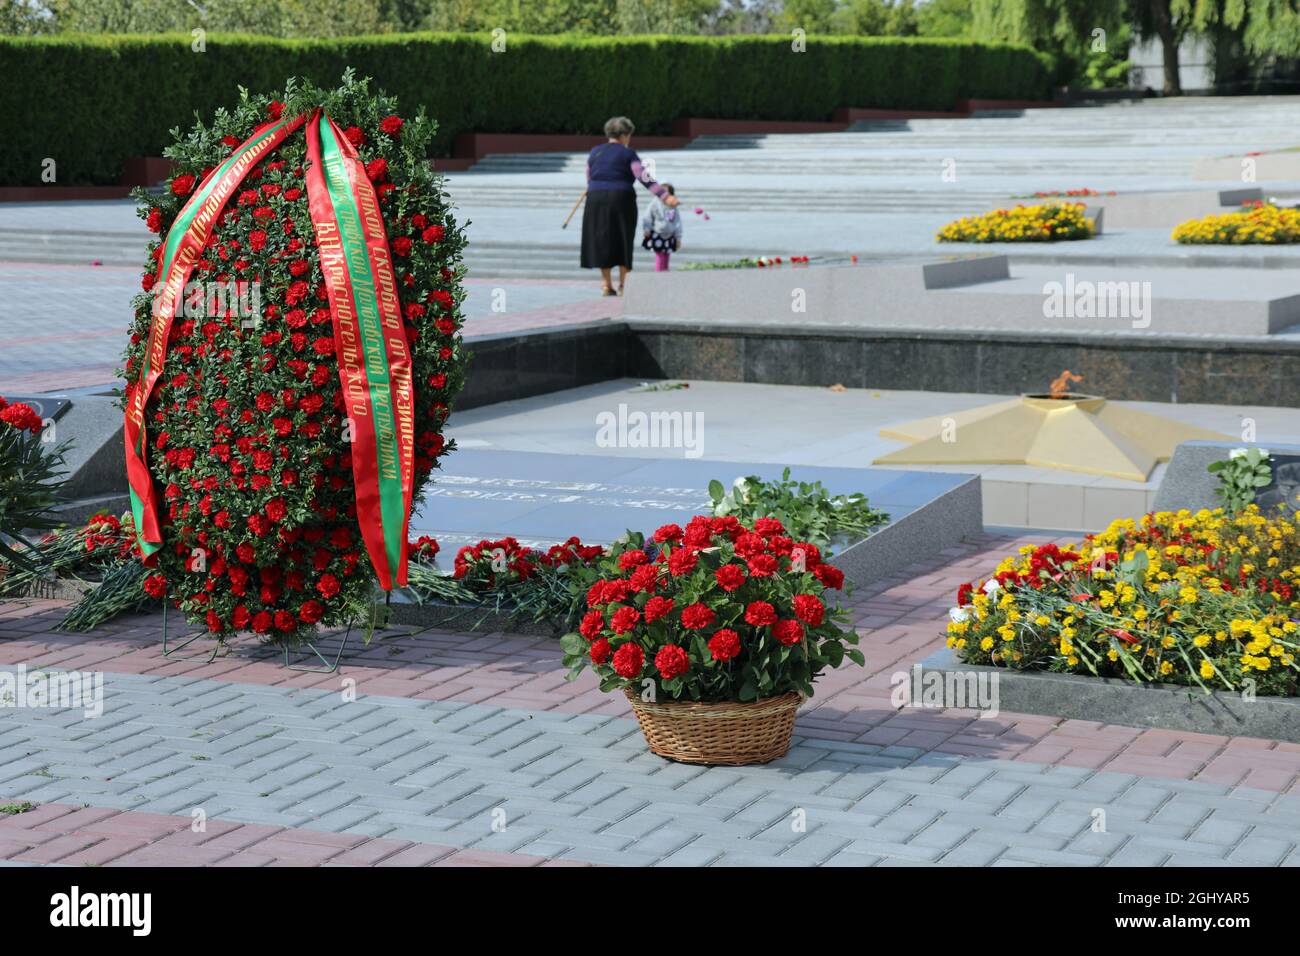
x,y
726,733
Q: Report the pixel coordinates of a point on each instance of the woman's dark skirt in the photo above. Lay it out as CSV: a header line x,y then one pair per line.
x,y
608,228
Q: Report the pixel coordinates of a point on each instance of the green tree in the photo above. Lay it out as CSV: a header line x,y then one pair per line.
x,y
875,18
812,16
944,18
664,16
1071,32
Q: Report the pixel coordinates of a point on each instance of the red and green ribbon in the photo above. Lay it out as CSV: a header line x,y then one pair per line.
x,y
370,341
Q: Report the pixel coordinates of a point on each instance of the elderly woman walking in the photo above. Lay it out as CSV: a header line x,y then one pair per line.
x,y
609,222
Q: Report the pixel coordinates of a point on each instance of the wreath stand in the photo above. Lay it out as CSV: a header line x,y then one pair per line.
x,y
328,666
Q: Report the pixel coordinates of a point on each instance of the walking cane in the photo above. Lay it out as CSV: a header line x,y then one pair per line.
x,y
574,209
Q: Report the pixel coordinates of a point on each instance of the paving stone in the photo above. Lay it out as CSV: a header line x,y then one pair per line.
x,y
1261,851
584,788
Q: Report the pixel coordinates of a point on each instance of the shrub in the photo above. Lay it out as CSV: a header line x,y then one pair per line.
x,y
1045,223
720,611
1207,599
90,102
1241,475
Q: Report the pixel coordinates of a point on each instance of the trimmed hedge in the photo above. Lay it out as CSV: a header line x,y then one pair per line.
x,y
90,102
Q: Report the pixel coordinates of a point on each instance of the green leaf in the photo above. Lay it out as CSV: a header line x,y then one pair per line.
x,y
716,490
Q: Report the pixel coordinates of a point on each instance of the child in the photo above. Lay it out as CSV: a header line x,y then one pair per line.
x,y
662,227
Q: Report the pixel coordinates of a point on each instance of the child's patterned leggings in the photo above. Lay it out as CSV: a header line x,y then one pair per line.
x,y
661,261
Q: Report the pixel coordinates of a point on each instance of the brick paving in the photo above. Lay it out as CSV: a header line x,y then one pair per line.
x,y
452,733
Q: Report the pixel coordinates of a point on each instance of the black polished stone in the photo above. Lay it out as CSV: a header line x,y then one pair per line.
x,y
1184,369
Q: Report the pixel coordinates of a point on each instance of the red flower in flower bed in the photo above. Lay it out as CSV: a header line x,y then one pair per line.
x,y
712,629
257,463
21,416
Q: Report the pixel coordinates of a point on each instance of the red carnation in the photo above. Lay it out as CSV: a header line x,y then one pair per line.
x,y
644,578
183,184
593,622
671,661
624,620
401,246
311,611
760,614
600,651
274,109
433,234
154,222
262,622
724,644
377,169
392,125
354,135
657,607
809,609
284,621
328,586
730,576
696,616
632,559
155,585
22,417
629,661
668,532
762,566
681,562
829,575
788,632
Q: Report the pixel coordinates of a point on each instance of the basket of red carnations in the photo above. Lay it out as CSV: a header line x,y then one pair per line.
x,y
715,633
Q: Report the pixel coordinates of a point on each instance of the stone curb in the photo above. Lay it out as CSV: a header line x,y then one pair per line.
x,y
1111,700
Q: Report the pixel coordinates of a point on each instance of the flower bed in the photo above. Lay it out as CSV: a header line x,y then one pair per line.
x,y
1255,223
1205,599
1051,222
